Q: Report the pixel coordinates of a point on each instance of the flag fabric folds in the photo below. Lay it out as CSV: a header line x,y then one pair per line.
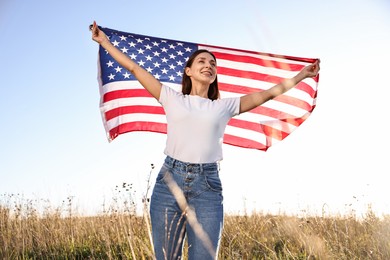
x,y
126,106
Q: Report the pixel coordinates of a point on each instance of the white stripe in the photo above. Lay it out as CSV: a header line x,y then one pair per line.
x,y
121,85
253,118
138,117
133,101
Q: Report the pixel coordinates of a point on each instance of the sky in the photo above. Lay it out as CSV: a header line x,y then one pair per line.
x,y
54,146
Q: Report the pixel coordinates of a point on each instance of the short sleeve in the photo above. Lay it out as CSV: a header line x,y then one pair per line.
x,y
232,105
166,94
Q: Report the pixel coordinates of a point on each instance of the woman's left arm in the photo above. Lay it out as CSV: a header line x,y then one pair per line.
x,y
250,101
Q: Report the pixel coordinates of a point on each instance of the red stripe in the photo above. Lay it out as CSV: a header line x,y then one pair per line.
x,y
236,88
258,61
132,110
246,125
138,126
243,142
125,93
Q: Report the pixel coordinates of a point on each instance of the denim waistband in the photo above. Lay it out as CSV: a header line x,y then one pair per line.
x,y
194,167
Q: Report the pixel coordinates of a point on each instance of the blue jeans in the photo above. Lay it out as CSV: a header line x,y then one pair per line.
x,y
187,201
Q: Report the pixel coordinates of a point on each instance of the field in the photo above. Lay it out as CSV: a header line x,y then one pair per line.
x,y
33,229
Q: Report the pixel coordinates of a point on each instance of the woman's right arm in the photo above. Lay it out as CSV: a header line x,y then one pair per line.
x,y
150,83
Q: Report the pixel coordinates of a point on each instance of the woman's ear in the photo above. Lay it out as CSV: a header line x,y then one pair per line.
x,y
187,71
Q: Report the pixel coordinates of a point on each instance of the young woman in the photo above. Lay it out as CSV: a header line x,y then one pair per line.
x,y
187,197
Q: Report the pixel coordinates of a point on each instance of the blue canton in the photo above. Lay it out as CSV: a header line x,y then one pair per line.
x,y
164,59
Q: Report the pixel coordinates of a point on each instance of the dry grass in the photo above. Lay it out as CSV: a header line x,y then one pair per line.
x,y
288,237
117,233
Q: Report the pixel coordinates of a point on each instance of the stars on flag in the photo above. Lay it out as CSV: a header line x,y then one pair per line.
x,y
164,59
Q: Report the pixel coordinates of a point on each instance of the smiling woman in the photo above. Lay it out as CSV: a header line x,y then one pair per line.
x,y
188,183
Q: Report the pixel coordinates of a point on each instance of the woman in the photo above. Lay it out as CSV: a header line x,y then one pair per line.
x,y
187,197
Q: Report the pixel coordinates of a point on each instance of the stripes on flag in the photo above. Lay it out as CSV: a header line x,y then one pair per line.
x,y
126,106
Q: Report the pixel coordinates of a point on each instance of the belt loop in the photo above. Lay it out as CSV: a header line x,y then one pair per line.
x,y
201,168
173,162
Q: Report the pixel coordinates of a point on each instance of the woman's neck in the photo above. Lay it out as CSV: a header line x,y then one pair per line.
x,y
199,90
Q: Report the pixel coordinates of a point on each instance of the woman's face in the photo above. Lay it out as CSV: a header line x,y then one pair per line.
x,y
203,69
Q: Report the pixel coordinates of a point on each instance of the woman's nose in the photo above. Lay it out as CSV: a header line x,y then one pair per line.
x,y
208,65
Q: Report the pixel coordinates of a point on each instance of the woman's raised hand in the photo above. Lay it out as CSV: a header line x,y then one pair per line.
x,y
97,35
312,69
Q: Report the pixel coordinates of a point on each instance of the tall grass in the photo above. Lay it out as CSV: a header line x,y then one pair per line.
x,y
118,233
289,237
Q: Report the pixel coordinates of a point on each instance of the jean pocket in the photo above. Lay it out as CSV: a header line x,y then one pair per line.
x,y
213,182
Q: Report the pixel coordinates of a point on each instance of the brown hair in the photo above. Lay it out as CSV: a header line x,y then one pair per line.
x,y
186,83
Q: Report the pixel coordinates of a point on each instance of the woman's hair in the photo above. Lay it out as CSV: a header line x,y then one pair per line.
x,y
213,93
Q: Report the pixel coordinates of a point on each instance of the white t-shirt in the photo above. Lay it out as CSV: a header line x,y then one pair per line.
x,y
196,125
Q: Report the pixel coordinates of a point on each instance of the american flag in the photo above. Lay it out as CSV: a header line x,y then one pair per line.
x,y
126,106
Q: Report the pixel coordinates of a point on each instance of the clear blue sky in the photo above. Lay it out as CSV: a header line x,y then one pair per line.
x,y
53,141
